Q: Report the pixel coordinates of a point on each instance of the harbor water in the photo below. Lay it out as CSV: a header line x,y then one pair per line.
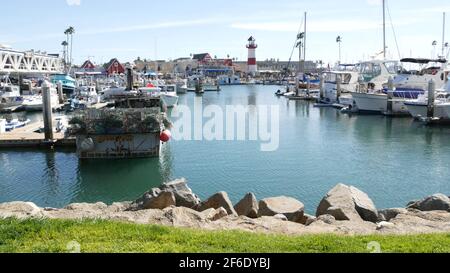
x,y
394,160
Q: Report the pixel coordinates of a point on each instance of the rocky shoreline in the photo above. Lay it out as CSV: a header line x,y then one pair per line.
x,y
343,210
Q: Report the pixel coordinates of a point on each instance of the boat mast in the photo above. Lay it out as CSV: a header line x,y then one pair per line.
x,y
304,48
443,35
384,30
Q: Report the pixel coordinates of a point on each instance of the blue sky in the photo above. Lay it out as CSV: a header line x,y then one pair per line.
x,y
176,28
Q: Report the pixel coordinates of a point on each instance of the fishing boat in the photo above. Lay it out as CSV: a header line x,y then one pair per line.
x,y
68,83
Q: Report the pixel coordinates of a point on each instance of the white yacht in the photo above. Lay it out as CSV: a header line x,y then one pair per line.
x,y
9,94
419,107
370,97
35,102
349,83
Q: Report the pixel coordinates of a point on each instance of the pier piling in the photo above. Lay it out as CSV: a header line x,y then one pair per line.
x,y
338,87
431,93
47,111
322,95
390,95
60,92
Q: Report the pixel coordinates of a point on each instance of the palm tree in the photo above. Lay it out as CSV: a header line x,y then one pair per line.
x,y
69,32
65,44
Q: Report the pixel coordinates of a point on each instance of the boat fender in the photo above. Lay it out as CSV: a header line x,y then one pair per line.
x,y
165,136
87,145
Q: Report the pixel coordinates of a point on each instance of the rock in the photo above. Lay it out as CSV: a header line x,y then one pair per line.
x,y
20,210
290,207
184,217
214,214
435,202
348,203
307,219
219,214
183,194
281,217
384,224
364,205
86,206
326,218
162,197
119,206
388,214
217,201
161,201
248,206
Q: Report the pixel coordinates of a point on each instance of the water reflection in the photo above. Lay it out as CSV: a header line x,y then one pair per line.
x,y
117,180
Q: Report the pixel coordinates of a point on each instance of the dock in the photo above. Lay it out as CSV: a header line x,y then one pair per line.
x,y
31,137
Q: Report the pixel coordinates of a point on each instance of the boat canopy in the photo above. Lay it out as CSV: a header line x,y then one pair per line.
x,y
422,61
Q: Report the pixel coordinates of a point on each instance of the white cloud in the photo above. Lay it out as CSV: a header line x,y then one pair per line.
x,y
73,2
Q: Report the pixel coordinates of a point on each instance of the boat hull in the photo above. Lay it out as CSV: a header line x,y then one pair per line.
x,y
373,103
169,100
418,110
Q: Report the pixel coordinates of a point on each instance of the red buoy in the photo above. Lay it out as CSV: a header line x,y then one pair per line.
x,y
165,136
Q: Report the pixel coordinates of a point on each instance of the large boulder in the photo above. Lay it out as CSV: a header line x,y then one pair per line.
x,y
248,206
175,193
386,215
290,207
348,203
20,210
161,201
218,200
183,194
435,202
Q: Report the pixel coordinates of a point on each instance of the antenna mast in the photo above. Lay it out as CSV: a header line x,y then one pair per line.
x,y
384,29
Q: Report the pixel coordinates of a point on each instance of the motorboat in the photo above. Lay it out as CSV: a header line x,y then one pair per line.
x,y
419,107
169,96
9,94
348,83
16,123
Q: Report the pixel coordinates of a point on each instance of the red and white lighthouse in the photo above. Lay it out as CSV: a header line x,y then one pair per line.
x,y
251,63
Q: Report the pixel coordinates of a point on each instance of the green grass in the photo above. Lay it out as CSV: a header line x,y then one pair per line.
x,y
105,236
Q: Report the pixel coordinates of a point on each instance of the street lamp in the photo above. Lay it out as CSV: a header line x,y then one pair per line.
x,y
434,44
339,41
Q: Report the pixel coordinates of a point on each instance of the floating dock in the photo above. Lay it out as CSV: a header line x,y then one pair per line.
x,y
30,137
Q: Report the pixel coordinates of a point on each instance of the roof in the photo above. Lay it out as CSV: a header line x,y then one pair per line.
x,y
200,57
422,61
112,62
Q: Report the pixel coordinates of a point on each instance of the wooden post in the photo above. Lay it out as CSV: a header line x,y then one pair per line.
x,y
47,110
322,91
431,89
338,87
60,92
129,79
390,95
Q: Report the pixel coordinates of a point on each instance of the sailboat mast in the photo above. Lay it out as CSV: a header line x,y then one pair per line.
x,y
304,48
384,29
443,35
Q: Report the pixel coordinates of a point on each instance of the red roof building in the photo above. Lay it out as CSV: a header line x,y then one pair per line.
x,y
88,65
115,67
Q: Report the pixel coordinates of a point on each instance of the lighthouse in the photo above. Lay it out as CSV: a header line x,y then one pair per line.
x,y
251,63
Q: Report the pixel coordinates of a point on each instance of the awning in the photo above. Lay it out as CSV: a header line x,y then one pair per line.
x,y
422,61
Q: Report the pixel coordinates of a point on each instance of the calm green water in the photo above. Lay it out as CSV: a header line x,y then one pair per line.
x,y
393,160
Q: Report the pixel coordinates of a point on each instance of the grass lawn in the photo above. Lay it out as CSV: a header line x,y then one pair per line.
x,y
105,236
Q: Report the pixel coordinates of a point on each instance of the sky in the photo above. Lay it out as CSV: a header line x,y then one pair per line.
x,y
178,28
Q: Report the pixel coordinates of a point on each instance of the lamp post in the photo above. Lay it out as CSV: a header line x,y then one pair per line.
x,y
339,41
434,44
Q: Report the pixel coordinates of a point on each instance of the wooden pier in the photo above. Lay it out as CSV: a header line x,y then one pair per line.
x,y
31,137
